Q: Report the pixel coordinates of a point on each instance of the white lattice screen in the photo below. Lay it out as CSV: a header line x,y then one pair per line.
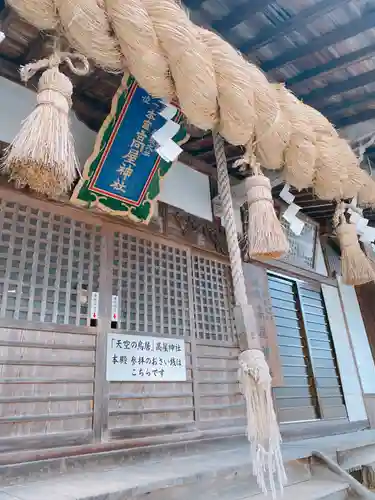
x,y
213,301
46,261
302,247
152,284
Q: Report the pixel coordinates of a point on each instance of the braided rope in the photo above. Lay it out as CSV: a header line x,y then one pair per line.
x,y
170,56
229,223
217,88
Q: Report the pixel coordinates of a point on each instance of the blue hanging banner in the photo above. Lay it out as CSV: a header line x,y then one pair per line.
x,y
123,174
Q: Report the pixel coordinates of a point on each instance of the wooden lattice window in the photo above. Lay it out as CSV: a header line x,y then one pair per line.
x,y
46,262
213,300
301,247
152,284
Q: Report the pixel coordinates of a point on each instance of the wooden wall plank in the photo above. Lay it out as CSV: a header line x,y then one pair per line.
x,y
259,298
101,396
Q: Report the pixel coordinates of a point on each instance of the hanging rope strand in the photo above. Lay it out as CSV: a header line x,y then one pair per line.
x,y
229,222
254,376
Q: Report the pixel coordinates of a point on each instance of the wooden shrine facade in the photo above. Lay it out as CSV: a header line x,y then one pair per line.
x,y
172,280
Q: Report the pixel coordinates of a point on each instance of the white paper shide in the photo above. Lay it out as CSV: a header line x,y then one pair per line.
x,y
145,359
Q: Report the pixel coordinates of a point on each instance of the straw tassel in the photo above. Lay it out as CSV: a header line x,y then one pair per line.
x,y
262,430
42,155
266,238
356,269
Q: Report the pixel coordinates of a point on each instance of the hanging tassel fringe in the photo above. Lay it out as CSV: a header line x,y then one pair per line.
x,y
262,428
42,155
368,472
266,238
356,269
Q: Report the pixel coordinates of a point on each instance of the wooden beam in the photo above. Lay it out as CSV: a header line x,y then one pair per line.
x,y
298,21
332,110
352,28
198,165
328,209
41,47
238,15
193,4
317,96
363,116
314,205
332,65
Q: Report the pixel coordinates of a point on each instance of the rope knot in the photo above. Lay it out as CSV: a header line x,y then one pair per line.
x,y
246,160
347,234
258,189
54,61
253,363
55,87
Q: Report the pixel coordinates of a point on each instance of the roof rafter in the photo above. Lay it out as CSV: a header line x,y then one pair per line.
x,y
193,4
316,96
333,109
305,16
352,28
236,16
368,114
333,64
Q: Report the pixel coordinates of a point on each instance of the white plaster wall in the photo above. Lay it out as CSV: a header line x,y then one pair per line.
x,y
183,187
187,189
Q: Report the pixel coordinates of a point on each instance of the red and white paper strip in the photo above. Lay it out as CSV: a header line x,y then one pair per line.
x,y
94,309
114,307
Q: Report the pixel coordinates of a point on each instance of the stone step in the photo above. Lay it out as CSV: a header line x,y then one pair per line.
x,y
356,457
315,489
93,489
205,473
206,476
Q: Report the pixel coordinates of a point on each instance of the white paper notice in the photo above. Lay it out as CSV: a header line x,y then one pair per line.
x,y
168,112
169,151
166,132
145,359
296,226
286,195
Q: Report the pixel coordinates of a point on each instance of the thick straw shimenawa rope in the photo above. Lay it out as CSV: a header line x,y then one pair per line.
x,y
170,56
300,154
254,376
